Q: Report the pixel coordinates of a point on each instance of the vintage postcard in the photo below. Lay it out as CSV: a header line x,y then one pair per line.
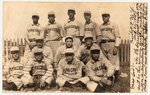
x,y
75,47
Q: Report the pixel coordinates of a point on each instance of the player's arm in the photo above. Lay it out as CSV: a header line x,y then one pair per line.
x,y
49,72
61,31
117,35
6,70
91,73
109,66
81,31
57,58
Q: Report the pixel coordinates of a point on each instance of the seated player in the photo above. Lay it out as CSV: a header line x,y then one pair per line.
x,y
47,52
83,52
60,53
100,71
70,71
13,71
41,76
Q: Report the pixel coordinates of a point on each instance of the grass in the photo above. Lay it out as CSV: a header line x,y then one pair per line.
x,y
121,86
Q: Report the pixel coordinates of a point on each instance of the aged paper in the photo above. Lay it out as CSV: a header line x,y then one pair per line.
x,y
128,24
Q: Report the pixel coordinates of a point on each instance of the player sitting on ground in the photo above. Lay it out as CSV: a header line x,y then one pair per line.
x,y
13,71
41,76
100,71
70,71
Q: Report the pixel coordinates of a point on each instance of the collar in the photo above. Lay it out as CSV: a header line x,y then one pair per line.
x,y
70,20
88,23
108,23
35,24
73,62
51,23
92,61
15,61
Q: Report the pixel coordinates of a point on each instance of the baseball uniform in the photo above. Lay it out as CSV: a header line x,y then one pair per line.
x,y
97,71
110,39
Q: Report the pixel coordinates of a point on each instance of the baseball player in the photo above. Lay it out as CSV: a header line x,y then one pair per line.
x,y
41,76
83,53
91,27
53,33
99,70
74,28
70,71
13,70
47,52
110,40
33,30
60,53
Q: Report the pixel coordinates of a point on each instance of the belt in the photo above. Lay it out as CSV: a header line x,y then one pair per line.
x,y
106,41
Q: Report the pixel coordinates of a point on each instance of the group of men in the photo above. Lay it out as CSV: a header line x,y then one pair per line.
x,y
73,55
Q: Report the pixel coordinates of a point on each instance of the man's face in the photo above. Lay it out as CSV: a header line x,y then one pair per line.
x,y
69,43
38,57
71,15
51,19
87,18
39,44
15,55
35,20
95,56
105,19
88,42
69,57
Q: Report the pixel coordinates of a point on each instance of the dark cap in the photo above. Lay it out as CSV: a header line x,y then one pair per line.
x,y
105,14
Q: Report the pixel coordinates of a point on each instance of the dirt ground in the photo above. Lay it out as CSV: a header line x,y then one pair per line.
x,y
121,86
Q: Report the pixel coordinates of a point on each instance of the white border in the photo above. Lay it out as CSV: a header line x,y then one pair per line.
x,y
1,43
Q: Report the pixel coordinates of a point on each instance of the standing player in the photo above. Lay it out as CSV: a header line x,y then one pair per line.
x,y
110,41
53,33
100,71
74,28
13,71
33,30
42,71
60,54
91,27
70,71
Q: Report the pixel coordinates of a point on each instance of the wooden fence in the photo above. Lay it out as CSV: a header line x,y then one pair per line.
x,y
124,49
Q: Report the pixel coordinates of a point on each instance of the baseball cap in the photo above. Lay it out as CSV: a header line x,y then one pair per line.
x,y
39,38
35,15
87,13
38,51
71,10
51,13
95,49
14,48
69,51
68,37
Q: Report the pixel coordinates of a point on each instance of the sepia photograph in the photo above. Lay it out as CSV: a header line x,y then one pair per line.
x,y
73,47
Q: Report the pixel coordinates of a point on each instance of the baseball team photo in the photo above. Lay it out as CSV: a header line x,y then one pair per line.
x,y
66,47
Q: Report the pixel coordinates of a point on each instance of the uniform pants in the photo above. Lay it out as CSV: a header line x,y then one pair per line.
x,y
16,81
61,81
108,49
53,45
76,42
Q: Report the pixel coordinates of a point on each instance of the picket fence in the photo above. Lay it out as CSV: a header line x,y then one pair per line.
x,y
124,49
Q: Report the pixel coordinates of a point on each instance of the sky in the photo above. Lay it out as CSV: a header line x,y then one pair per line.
x,y
17,15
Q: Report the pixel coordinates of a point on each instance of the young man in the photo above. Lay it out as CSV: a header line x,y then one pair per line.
x,y
13,71
60,53
99,70
83,53
47,52
53,33
70,71
110,40
91,27
41,76
74,28
33,31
